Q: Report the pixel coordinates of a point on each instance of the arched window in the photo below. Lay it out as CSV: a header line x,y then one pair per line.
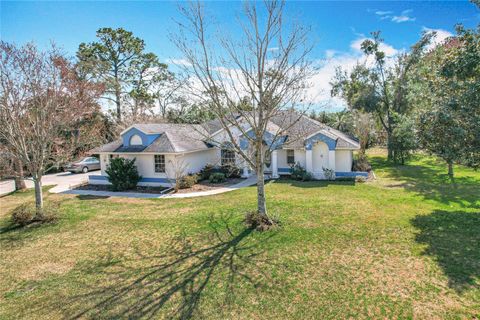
x,y
136,140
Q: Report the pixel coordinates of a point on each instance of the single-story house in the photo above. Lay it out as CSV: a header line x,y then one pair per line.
x,y
162,149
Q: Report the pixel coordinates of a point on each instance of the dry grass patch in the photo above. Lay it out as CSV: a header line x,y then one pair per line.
x,y
344,250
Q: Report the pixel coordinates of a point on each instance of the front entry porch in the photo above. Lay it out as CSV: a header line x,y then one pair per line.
x,y
270,168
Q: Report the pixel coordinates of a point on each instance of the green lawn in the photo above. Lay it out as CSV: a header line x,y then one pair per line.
x,y
404,246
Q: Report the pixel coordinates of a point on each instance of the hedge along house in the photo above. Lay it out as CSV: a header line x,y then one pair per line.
x,y
166,151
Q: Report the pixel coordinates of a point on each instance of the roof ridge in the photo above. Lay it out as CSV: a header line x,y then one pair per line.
x,y
170,141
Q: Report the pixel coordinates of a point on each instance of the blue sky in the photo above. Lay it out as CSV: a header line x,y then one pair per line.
x,y
337,27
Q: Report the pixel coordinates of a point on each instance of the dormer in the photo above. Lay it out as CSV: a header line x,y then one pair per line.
x,y
134,137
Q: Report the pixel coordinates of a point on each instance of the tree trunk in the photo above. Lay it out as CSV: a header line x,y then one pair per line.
x,y
38,197
450,169
117,95
119,108
261,201
19,181
389,146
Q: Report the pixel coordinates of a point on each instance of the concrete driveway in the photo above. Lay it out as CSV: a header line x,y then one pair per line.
x,y
62,181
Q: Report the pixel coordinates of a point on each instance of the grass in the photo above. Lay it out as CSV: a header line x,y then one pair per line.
x,y
404,246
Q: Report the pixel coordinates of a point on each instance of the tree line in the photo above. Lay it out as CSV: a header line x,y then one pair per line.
x,y
426,98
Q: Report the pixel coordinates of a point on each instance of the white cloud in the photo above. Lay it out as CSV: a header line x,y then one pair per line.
x,y
382,13
440,36
273,49
400,19
388,49
404,16
319,93
179,62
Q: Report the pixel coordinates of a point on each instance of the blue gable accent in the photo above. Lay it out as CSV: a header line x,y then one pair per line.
x,y
331,143
147,139
268,138
243,143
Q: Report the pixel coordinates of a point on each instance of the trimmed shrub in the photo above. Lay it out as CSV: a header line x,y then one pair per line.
x,y
25,213
259,222
187,181
329,174
231,171
122,174
217,177
361,164
299,173
205,173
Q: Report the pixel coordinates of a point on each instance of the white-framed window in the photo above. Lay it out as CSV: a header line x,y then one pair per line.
x,y
136,140
159,163
228,157
291,157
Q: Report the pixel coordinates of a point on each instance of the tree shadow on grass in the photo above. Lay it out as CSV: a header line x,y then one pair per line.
x,y
431,183
453,240
173,283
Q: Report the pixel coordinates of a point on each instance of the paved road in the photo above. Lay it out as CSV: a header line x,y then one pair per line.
x,y
62,180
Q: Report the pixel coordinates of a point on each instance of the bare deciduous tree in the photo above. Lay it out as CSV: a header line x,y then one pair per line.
x,y
178,171
268,68
363,127
42,98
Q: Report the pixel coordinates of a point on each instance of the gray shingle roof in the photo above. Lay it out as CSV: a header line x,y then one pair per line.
x,y
109,147
298,127
175,138
172,138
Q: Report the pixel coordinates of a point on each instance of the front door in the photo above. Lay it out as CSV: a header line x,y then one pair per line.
x,y
319,158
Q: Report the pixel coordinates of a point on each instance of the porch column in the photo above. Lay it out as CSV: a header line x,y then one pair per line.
x,y
309,160
245,173
274,164
331,159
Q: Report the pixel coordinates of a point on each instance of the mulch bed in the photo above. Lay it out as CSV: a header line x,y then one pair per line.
x,y
201,186
139,189
206,185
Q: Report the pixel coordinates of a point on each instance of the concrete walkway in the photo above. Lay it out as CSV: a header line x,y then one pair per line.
x,y
62,181
245,183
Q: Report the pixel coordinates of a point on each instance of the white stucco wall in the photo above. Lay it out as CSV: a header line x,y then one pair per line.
x,y
190,163
195,161
343,160
282,158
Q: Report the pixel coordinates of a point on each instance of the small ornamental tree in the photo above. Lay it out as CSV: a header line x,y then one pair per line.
x,y
42,97
122,174
447,95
